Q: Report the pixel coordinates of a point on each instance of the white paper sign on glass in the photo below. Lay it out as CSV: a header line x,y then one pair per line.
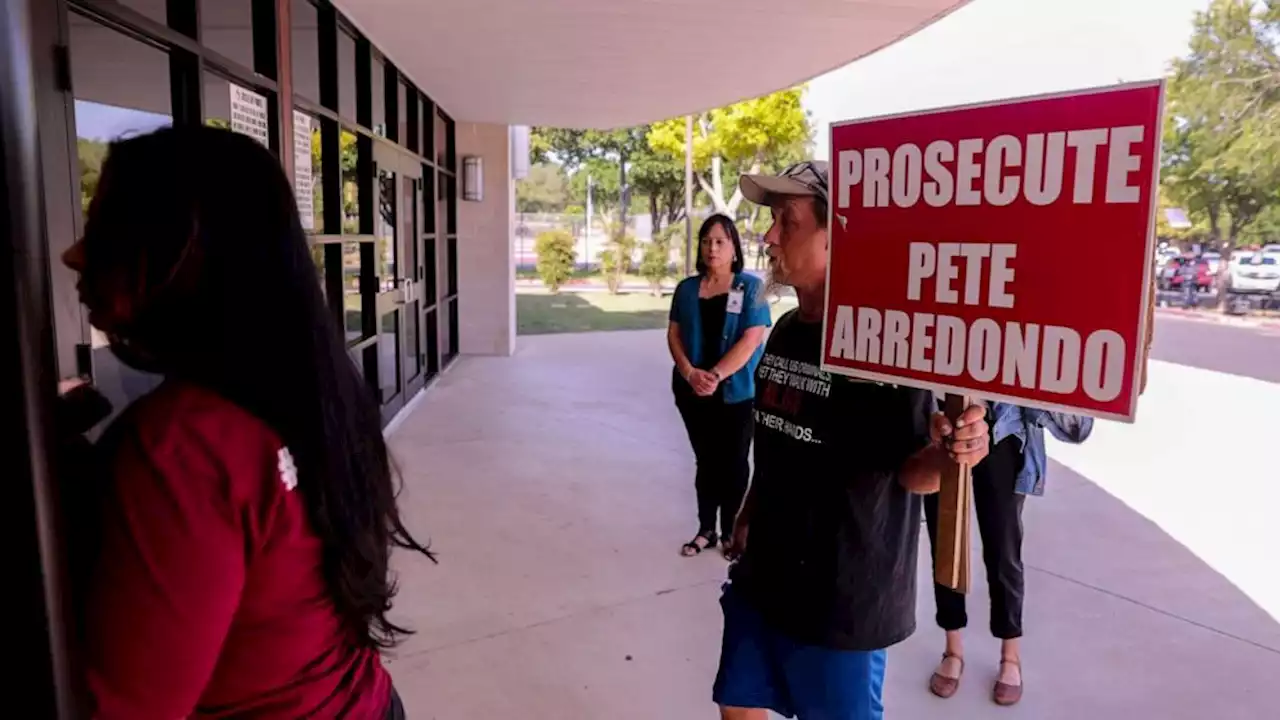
x,y
303,183
249,114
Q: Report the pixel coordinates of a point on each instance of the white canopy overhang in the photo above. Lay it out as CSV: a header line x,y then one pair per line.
x,y
616,63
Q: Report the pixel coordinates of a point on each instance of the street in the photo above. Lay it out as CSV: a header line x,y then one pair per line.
x,y
1249,352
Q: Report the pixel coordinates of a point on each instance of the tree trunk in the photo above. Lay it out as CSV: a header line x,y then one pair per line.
x,y
717,201
732,206
751,223
655,216
622,192
675,209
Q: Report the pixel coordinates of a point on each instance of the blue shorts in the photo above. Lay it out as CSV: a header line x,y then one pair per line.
x,y
761,668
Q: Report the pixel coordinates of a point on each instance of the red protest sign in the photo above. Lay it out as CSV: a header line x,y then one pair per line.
x,y
1002,250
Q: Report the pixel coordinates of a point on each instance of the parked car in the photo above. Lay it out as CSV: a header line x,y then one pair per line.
x,y
1165,254
1255,273
1215,261
1171,275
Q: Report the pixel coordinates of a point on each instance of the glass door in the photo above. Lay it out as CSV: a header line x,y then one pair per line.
x,y
397,183
410,222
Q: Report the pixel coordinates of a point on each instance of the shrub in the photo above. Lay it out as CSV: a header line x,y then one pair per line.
x,y
655,265
615,260
555,250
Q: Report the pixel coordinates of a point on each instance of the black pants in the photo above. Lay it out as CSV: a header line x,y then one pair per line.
x,y
396,710
999,511
720,434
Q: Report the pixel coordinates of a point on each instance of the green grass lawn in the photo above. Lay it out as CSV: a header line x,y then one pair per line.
x,y
541,312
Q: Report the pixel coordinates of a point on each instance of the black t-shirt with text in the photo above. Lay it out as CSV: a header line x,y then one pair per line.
x,y
831,551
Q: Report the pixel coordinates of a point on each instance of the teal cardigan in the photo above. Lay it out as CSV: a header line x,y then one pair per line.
x,y
755,313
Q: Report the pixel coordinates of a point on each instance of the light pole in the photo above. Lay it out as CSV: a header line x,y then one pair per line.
x,y
688,195
586,236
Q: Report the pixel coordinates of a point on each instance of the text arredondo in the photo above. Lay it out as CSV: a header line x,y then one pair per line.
x,y
972,172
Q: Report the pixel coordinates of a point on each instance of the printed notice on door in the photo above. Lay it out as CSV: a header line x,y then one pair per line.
x,y
249,114
302,179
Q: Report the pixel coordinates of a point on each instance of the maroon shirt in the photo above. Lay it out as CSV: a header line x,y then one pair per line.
x,y
208,599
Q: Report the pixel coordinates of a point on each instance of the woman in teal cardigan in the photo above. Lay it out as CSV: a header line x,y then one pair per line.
x,y
716,334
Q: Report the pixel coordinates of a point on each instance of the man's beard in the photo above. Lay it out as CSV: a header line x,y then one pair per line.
x,y
776,279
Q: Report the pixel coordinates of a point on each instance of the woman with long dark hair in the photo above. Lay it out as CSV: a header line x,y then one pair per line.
x,y
249,510
717,324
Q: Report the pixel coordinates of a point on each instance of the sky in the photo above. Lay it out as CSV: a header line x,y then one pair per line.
x,y
95,121
992,49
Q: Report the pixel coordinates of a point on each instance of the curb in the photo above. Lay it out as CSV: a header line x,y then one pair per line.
x,y
1213,316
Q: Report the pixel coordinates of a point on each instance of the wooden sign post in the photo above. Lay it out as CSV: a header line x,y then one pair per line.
x,y
952,546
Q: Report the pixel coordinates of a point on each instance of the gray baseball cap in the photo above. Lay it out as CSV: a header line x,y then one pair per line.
x,y
808,178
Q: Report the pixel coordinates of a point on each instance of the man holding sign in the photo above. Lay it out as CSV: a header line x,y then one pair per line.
x,y
827,536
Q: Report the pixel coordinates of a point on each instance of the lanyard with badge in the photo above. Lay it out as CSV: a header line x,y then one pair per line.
x,y
734,305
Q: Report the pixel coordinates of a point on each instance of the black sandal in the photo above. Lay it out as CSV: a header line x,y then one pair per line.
x,y
692,547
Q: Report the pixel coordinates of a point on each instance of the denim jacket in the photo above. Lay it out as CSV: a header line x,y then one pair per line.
x,y
1028,425
755,312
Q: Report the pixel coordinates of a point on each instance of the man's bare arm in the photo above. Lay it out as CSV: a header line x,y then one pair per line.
x,y
921,474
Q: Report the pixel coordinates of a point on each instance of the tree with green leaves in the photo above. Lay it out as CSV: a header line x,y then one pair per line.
x,y
760,135
660,180
92,153
1222,136
545,189
597,151
603,176
1199,229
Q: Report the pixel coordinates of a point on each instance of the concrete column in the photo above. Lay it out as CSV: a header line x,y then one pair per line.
x,y
486,261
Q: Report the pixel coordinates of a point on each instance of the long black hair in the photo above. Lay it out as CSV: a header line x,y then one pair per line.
x,y
197,229
731,230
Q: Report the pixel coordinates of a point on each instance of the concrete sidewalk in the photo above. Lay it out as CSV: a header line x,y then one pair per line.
x,y
557,488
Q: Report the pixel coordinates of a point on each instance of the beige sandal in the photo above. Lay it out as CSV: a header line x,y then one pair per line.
x,y
1005,694
945,687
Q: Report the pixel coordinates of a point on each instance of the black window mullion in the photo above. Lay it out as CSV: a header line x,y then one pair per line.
x,y
391,91
327,27
411,119
331,176
184,17
265,47
453,327
452,269
186,90
369,309
367,196
371,368
450,150
185,86
429,130
333,283
273,120
430,279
